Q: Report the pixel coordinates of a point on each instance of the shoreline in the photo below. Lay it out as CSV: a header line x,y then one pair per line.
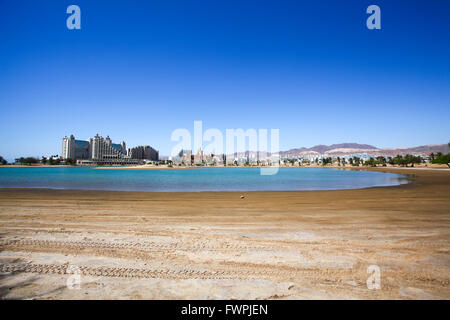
x,y
165,167
417,183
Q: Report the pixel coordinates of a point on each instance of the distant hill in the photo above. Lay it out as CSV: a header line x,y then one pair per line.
x,y
345,149
323,148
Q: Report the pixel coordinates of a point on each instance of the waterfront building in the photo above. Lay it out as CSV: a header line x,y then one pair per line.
x,y
198,157
184,156
96,151
143,153
104,149
75,149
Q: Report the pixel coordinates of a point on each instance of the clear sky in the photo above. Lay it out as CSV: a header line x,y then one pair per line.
x,y
137,70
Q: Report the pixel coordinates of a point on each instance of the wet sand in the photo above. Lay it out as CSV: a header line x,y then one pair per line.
x,y
215,245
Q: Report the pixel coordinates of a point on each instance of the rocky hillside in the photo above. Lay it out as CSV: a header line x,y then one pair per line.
x,y
345,149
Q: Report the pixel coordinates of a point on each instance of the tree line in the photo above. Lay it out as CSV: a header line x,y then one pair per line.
x,y
28,161
440,158
398,160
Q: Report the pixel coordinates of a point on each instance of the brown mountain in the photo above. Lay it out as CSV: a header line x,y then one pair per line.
x,y
344,149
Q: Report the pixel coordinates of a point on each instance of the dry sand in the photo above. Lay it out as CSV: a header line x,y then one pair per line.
x,y
213,245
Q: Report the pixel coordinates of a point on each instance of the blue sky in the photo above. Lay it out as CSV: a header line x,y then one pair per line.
x,y
137,70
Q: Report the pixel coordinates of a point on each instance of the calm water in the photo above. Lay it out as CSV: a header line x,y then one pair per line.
x,y
198,179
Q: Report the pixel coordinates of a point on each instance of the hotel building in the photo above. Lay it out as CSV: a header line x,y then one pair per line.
x,y
96,151
143,153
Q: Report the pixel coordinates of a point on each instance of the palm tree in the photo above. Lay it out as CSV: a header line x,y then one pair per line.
x,y
381,160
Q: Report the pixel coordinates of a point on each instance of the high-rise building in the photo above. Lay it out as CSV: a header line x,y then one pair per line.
x,y
75,149
102,148
97,150
143,153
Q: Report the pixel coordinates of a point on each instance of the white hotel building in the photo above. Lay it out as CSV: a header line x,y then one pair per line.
x,y
95,151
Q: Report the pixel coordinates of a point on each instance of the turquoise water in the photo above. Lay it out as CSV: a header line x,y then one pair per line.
x,y
197,179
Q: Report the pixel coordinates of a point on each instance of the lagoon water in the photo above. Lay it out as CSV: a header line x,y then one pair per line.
x,y
193,180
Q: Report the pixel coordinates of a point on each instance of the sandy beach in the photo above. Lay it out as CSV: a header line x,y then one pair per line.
x,y
217,245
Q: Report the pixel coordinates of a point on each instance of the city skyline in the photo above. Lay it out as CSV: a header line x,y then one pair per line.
x,y
99,150
138,72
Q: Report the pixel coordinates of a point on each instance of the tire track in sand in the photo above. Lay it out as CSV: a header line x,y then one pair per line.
x,y
150,246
